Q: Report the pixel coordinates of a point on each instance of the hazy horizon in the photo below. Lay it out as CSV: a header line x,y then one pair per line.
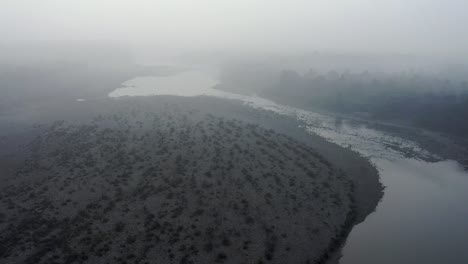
x,y
233,131
160,28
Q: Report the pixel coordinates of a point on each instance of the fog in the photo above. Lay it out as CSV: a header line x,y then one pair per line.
x,y
233,131
431,28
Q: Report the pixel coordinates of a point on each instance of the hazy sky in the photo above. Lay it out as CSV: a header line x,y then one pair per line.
x,y
377,26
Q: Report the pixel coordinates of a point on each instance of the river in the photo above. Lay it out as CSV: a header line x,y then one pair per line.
x,y
422,217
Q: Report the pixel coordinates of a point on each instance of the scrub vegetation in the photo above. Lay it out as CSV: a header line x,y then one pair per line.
x,y
172,186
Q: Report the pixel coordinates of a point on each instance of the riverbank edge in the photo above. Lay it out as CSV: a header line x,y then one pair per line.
x,y
441,145
368,190
363,174
367,193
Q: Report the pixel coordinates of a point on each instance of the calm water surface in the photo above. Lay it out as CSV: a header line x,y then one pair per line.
x,y
423,217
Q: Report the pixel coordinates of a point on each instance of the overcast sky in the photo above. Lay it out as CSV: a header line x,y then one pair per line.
x,y
376,26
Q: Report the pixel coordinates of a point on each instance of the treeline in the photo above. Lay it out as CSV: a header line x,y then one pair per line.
x,y
428,101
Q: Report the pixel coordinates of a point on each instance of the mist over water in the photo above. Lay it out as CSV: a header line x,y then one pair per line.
x,y
386,79
189,83
420,196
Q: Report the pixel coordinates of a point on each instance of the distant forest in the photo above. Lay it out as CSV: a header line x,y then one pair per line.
x,y
422,100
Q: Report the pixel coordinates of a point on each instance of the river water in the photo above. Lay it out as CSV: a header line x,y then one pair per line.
x,y
423,216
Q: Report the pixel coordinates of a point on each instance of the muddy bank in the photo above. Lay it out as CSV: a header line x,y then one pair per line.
x,y
110,151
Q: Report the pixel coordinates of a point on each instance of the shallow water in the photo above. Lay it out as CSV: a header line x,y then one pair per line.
x,y
422,217
189,83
